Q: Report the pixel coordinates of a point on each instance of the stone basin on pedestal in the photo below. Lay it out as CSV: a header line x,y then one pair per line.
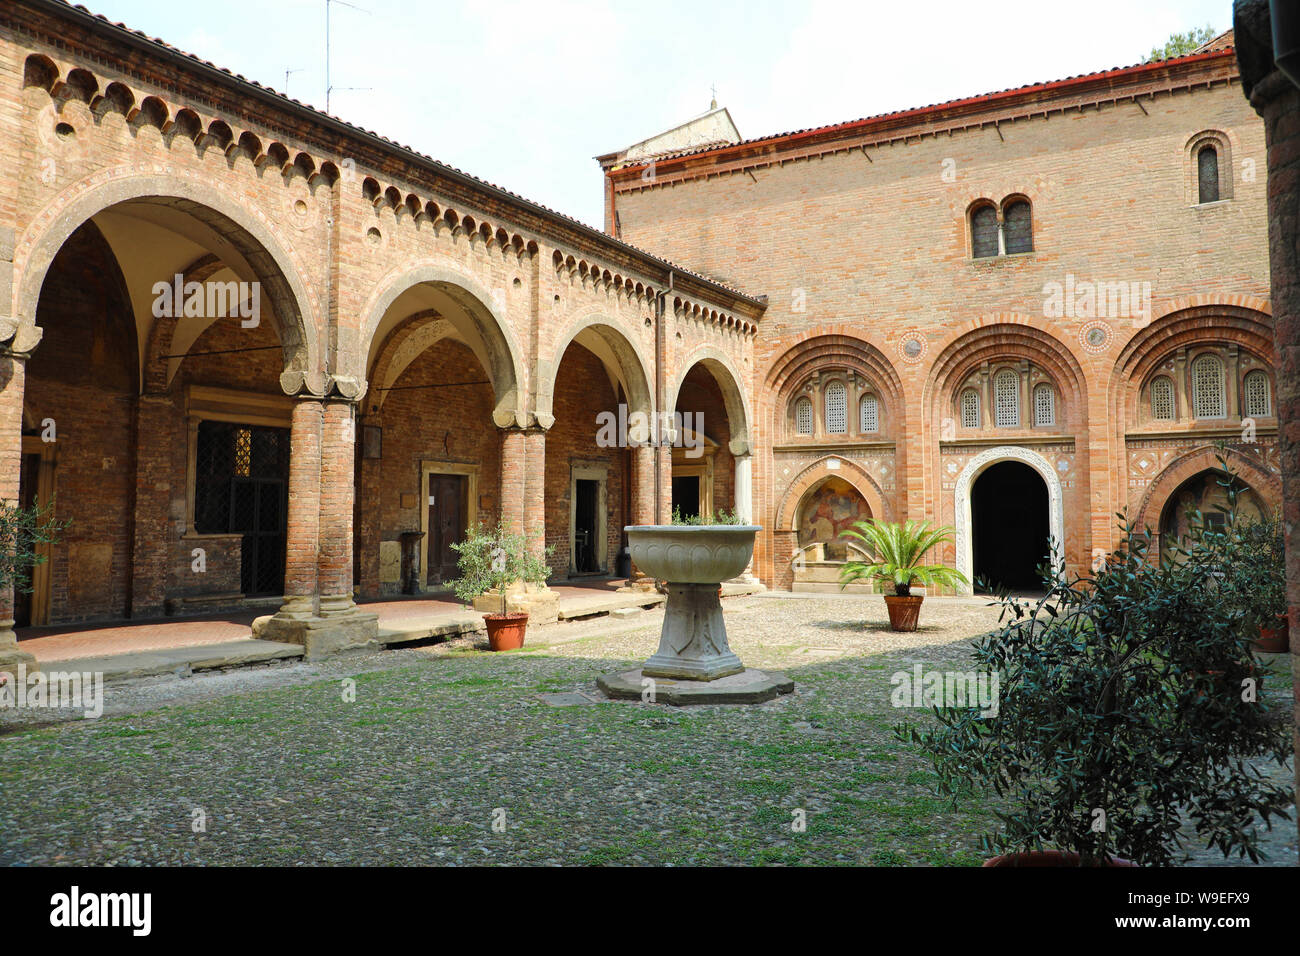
x,y
694,662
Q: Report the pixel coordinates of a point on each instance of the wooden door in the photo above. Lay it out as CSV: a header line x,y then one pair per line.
x,y
447,508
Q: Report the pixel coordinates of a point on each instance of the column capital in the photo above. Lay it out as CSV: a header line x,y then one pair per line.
x,y
17,338
322,387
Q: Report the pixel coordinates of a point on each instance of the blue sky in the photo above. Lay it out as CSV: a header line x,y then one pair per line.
x,y
524,93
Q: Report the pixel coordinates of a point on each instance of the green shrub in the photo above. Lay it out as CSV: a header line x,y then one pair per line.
x,y
1127,700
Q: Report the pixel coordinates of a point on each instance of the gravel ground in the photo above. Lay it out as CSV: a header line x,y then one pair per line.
x,y
451,755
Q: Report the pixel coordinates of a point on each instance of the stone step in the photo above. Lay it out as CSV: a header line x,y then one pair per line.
x,y
420,629
185,660
829,587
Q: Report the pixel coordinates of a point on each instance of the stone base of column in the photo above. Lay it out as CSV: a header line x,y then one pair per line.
x,y
540,603
10,653
340,628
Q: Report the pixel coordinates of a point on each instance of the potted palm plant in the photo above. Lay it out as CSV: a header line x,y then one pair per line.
x,y
493,560
895,554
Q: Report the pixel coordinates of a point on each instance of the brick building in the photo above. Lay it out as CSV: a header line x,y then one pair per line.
x,y
1015,314
247,348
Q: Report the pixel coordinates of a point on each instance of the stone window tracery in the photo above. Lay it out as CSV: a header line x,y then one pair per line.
x,y
1162,399
868,414
1258,400
970,408
1044,404
1208,398
1006,399
837,408
803,416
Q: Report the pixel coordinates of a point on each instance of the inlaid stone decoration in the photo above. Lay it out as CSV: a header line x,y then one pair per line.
x,y
962,509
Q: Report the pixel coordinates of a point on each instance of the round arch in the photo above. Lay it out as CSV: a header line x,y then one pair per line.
x,y
962,509
724,372
831,466
1205,458
472,310
296,307
636,377
1004,336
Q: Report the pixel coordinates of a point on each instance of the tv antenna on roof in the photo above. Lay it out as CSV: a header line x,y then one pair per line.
x,y
328,88
285,91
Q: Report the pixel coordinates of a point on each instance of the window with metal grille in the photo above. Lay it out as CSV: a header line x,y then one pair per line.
x,y
1258,401
1017,229
803,416
1044,404
1162,399
984,232
1006,399
1208,399
837,408
868,414
241,479
1207,173
970,409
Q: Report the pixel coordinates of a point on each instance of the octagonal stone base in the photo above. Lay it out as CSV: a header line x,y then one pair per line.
x,y
750,686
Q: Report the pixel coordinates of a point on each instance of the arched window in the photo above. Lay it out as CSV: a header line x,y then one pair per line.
x,y
984,232
868,414
1006,399
970,408
1044,404
1162,399
1207,174
1208,399
1017,229
1259,402
837,408
803,416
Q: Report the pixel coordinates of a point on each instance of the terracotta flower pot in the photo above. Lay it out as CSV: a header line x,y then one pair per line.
x,y
904,610
1274,640
1049,858
506,631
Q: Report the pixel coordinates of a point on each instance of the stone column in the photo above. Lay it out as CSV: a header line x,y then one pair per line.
x,y
13,367
154,540
745,508
1277,100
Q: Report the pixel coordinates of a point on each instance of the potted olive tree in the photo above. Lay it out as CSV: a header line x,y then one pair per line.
x,y
895,555
1128,703
493,560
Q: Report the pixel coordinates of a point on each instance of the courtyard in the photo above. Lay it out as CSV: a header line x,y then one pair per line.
x,y
448,754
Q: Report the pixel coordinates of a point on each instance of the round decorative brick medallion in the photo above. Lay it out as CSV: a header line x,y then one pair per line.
x,y
1095,336
912,347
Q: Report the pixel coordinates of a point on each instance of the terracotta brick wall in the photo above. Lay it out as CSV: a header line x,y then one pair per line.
x,y
870,243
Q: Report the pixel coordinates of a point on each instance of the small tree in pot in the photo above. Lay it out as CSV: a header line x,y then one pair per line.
x,y
493,560
1128,703
895,555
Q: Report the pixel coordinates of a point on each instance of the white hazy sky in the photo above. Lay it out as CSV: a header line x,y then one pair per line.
x,y
523,93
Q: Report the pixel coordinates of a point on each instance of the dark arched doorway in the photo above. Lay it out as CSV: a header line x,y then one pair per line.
x,y
1010,535
1206,494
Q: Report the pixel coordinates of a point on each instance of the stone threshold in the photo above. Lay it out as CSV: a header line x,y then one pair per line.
x,y
181,661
